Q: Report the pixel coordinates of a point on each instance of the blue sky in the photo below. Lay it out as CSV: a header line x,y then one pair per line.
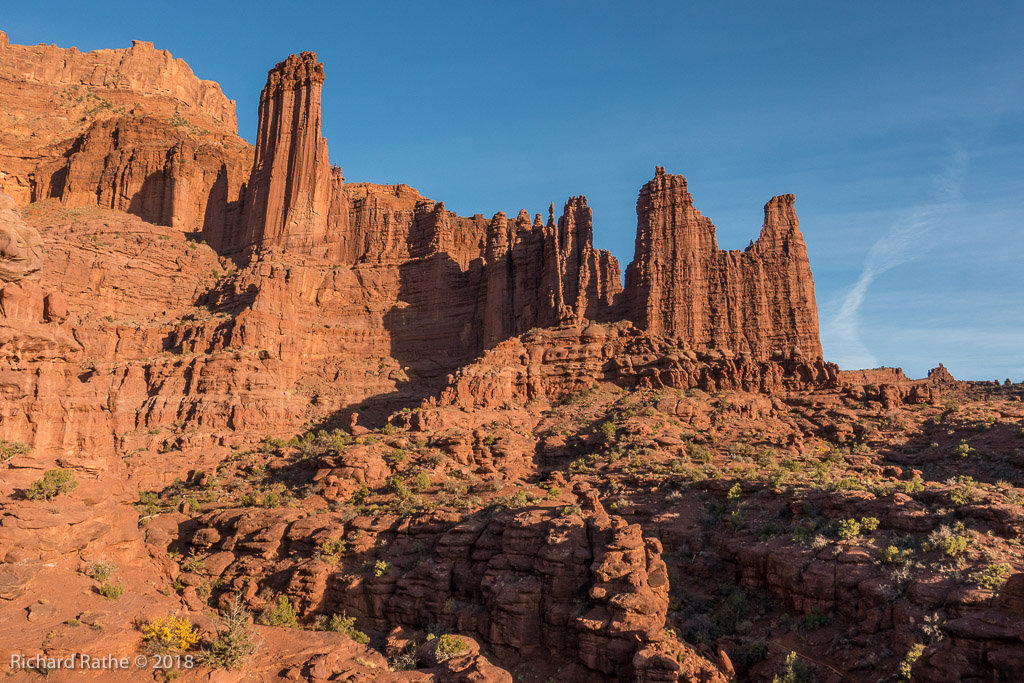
x,y
899,127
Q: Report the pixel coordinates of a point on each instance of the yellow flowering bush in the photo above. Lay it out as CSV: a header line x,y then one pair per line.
x,y
170,634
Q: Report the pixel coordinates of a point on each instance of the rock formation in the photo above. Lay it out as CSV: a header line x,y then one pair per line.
x,y
680,285
292,185
409,422
21,251
132,130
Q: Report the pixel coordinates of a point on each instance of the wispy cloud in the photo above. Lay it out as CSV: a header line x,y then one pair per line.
x,y
902,242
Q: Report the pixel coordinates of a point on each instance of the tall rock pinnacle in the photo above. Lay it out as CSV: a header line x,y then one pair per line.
x,y
289,196
760,301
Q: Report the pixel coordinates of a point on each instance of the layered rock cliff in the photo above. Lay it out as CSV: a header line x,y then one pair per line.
x,y
759,301
133,130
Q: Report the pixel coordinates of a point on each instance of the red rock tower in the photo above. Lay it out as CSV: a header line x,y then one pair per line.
x,y
758,301
290,188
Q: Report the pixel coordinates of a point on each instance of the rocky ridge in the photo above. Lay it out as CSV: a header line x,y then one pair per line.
x,y
571,480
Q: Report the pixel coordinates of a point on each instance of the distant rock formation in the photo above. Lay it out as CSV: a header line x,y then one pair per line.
x,y
132,130
140,71
449,285
290,186
680,285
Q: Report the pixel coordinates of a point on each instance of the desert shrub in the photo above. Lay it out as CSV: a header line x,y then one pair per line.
x,y
449,646
869,524
893,555
322,443
912,656
735,492
248,500
281,612
361,494
169,634
53,484
573,509
795,670
421,482
993,576
193,564
816,618
331,549
101,570
341,623
912,486
380,568
235,643
964,491
608,431
271,444
404,660
848,528
11,449
803,531
949,541
765,457
111,591
963,450
698,452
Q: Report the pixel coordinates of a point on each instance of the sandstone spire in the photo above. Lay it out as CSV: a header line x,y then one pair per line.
x,y
680,285
540,275
290,188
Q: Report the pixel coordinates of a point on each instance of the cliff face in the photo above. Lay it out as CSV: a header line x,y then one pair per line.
x,y
132,130
141,71
487,280
292,184
760,301
539,275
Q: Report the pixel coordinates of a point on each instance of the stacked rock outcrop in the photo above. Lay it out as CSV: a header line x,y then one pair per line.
x,y
290,195
680,285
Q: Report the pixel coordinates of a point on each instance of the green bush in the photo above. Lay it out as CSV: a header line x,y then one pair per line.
x,y
893,555
235,643
907,664
964,491
869,524
331,549
573,509
421,482
963,450
111,591
953,545
848,528
10,449
53,484
699,453
279,613
101,570
911,487
608,431
380,568
735,493
993,576
449,646
341,623
795,670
